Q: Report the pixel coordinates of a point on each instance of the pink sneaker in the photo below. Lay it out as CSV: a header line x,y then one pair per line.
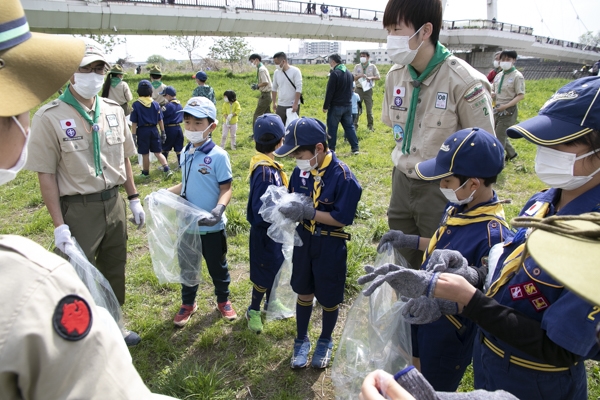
x,y
227,310
184,314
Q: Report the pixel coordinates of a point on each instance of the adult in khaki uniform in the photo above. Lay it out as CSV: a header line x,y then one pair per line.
x,y
45,352
508,91
429,95
157,86
116,89
368,71
263,85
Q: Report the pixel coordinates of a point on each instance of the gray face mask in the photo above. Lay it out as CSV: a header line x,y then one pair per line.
x,y
7,175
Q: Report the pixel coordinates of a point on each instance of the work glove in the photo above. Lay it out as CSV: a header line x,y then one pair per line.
x,y
408,282
163,137
298,211
399,240
62,238
424,310
452,261
139,216
254,86
215,216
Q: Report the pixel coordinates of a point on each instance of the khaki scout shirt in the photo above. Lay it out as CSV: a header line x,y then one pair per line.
x,y
455,96
36,360
513,85
61,143
371,71
157,97
263,76
120,93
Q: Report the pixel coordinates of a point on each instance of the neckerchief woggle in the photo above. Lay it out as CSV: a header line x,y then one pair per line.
x,y
68,98
508,71
262,159
441,53
317,174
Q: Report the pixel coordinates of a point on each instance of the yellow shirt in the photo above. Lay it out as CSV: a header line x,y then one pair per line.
x,y
231,108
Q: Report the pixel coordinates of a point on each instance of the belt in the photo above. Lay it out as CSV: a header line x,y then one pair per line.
x,y
100,196
323,232
149,125
172,125
521,362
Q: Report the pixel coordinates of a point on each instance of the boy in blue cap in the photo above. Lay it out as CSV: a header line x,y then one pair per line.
x,y
203,90
320,265
466,165
265,255
172,119
145,116
206,183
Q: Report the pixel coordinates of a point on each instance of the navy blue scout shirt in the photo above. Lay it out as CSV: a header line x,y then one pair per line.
x,y
340,191
262,177
143,115
339,89
171,113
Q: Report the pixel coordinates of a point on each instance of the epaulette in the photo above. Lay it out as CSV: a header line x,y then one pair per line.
x,y
396,67
47,106
109,101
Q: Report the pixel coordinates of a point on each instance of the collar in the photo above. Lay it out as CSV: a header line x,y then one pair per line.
x,y
207,146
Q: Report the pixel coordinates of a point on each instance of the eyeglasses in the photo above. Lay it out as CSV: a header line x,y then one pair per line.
x,y
101,70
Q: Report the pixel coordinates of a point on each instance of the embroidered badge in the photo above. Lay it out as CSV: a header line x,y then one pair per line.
x,y
207,160
72,319
530,289
539,303
112,120
399,91
204,171
441,101
303,182
398,133
445,147
71,132
304,174
67,123
516,292
474,92
534,208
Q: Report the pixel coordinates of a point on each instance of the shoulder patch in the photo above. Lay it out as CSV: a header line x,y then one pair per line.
x,y
72,319
474,92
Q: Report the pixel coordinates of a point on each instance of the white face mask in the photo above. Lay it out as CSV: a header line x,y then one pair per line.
x,y
196,136
279,65
555,168
451,195
306,165
505,65
7,175
399,50
88,85
225,99
363,60
496,63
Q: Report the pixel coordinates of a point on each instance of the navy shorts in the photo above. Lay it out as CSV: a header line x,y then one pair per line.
x,y
265,257
148,140
320,267
174,139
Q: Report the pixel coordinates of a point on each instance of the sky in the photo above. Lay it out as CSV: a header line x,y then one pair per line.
x,y
560,19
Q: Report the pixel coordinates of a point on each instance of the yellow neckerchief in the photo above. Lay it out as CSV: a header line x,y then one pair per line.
x,y
145,100
489,212
514,261
318,173
262,159
175,101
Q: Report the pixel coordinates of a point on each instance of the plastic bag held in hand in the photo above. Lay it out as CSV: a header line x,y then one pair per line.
x,y
298,211
139,216
452,261
424,310
406,281
62,237
399,240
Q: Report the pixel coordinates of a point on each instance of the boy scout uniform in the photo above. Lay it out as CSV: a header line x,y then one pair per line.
x,y
453,97
62,143
513,84
367,96
264,101
157,86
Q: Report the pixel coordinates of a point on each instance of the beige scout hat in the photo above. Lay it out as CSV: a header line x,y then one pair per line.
x,y
32,65
93,52
155,70
117,69
568,248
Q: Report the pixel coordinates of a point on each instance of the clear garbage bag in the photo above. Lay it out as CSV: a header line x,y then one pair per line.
x,y
282,302
173,238
375,336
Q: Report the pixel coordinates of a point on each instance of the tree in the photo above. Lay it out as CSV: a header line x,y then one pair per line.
x,y
186,44
156,59
232,50
109,42
357,57
590,39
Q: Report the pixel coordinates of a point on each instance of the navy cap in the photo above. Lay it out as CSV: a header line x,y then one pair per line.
x,y
268,123
201,76
200,107
144,83
170,90
302,132
470,152
573,111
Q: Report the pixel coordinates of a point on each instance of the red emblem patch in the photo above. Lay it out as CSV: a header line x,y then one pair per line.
x,y
72,318
516,292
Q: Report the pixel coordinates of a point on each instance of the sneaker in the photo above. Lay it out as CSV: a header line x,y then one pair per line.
x,y
507,158
322,355
143,176
184,314
277,307
131,338
227,310
355,152
168,174
254,321
301,350
176,169
370,128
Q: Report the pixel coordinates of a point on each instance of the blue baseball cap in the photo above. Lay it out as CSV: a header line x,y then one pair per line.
x,y
268,123
201,76
572,112
170,90
302,132
144,83
200,107
470,152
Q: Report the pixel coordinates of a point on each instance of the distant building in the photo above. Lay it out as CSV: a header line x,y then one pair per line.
x,y
377,56
320,48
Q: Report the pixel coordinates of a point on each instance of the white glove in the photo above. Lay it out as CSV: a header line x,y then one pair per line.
x,y
62,238
228,119
139,216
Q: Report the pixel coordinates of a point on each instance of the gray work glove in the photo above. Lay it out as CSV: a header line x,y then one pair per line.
x,y
214,218
297,211
408,282
399,240
163,137
424,310
452,262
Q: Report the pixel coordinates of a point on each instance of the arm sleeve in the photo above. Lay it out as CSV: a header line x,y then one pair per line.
x,y
346,200
223,169
133,116
127,92
43,143
520,85
298,81
477,110
331,83
275,83
385,107
260,183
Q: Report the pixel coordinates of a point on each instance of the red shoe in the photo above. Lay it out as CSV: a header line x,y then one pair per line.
x,y
227,310
184,314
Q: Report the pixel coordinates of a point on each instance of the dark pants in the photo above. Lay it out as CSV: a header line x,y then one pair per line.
x,y
281,111
502,123
214,251
343,114
263,106
367,97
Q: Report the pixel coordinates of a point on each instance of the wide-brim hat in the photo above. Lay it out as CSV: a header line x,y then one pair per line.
x,y
155,70
117,69
302,132
33,66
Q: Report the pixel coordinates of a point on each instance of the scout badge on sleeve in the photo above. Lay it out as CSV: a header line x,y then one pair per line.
x,y
72,319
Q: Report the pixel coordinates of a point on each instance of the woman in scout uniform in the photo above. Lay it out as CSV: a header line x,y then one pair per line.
x,y
157,86
115,88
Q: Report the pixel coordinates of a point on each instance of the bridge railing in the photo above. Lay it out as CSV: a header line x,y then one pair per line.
x,y
487,24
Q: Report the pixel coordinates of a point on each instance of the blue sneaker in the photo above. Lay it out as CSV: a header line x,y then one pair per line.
x,y
301,349
322,354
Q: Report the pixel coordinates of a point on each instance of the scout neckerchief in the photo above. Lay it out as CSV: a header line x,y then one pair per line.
x,y
341,67
517,258
364,67
488,212
441,53
508,71
114,81
262,159
146,101
257,71
156,84
317,174
68,98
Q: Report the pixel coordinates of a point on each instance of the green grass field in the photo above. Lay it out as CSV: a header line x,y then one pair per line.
x,y
211,358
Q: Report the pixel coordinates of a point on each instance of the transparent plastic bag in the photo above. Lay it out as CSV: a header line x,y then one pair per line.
x,y
172,226
375,336
282,302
